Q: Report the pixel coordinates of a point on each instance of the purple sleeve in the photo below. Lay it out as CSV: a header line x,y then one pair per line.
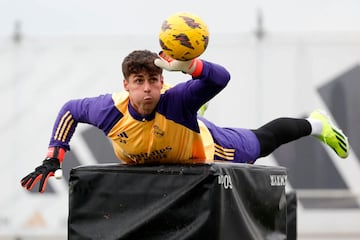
x,y
182,102
196,92
97,111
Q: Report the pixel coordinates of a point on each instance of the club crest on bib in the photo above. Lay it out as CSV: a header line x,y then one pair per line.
x,y
158,132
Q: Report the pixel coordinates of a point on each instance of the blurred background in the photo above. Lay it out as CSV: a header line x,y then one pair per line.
x,y
286,58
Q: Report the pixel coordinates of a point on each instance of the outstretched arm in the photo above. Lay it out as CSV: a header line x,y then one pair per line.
x,y
208,79
97,111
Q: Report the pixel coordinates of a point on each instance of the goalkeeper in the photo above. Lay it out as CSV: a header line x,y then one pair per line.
x,y
150,124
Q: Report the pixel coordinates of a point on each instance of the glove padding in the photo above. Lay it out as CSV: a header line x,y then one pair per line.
x,y
193,67
42,174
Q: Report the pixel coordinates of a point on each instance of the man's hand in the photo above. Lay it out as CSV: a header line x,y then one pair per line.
x,y
193,67
51,166
42,174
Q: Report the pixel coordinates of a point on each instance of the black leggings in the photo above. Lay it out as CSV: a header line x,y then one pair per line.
x,y
280,131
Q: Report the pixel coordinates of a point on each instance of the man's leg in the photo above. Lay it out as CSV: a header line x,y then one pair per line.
x,y
280,131
284,130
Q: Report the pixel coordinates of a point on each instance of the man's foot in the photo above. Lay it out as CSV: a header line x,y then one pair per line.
x,y
331,135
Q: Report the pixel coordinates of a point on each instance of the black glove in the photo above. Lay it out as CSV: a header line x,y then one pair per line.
x,y
52,162
42,174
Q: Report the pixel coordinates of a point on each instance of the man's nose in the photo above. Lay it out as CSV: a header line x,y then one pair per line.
x,y
147,86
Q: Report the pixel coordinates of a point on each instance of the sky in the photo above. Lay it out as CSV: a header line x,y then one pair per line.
x,y
109,17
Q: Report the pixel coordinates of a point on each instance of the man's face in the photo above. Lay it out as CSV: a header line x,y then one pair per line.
x,y
144,91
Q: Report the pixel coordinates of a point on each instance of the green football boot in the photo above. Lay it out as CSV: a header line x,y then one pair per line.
x,y
331,135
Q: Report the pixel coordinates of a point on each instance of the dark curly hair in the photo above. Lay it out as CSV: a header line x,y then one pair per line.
x,y
139,61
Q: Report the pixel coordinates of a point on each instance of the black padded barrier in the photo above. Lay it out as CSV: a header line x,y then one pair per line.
x,y
203,201
291,215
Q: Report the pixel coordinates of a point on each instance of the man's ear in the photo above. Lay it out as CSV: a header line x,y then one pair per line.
x,y
125,84
162,80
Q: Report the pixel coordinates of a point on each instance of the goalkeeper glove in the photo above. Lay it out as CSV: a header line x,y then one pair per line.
x,y
47,169
193,67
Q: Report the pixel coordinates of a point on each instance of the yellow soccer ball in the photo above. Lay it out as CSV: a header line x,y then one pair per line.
x,y
184,36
